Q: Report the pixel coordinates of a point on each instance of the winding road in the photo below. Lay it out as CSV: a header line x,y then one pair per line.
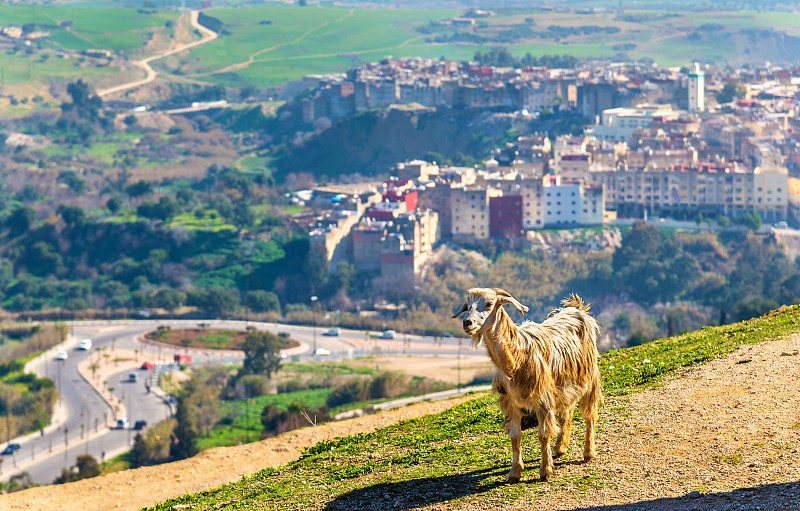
x,y
144,64
90,401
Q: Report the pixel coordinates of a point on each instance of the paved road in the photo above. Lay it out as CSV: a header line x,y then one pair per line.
x,y
83,414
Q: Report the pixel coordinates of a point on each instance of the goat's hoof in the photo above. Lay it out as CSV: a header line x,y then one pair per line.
x,y
589,456
560,452
545,474
514,474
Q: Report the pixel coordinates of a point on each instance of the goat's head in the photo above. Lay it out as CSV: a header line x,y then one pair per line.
x,y
481,307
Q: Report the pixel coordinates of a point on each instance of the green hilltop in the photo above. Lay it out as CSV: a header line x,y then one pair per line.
x,y
459,458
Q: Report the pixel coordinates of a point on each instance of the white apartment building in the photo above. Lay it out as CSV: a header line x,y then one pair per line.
x,y
618,124
682,191
571,203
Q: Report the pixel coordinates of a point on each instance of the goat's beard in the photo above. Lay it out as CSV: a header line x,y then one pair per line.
x,y
477,340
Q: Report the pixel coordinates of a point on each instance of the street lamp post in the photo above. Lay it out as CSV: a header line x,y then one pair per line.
x,y
314,326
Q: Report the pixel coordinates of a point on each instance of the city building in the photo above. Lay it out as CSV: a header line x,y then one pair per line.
x,y
696,86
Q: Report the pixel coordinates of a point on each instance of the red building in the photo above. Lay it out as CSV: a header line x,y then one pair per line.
x,y
505,217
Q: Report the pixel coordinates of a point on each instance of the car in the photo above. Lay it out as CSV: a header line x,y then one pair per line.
x,y
332,332
86,344
388,334
122,423
140,424
322,351
448,335
62,355
133,377
11,449
147,365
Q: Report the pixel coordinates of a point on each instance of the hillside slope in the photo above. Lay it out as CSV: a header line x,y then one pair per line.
x,y
673,435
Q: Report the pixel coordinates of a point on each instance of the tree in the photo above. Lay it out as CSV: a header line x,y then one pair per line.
x,y
753,307
73,216
184,437
261,353
87,466
749,219
139,188
259,300
115,204
167,298
217,300
165,209
733,89
138,456
86,104
20,220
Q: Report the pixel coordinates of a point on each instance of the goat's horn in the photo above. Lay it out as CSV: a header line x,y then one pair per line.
x,y
460,312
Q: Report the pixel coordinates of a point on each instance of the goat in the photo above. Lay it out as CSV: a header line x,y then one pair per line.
x,y
542,369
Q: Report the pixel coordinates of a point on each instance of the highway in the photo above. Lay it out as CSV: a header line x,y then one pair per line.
x,y
84,419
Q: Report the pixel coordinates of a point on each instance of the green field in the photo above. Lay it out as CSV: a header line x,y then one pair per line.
x,y
112,28
267,45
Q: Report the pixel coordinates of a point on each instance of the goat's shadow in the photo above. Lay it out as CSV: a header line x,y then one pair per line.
x,y
415,493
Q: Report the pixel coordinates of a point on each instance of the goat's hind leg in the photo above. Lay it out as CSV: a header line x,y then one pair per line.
x,y
589,405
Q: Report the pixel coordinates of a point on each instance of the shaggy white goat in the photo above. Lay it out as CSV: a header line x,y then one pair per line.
x,y
545,368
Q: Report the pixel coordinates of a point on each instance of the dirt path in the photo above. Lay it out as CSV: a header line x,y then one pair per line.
x,y
734,423
144,64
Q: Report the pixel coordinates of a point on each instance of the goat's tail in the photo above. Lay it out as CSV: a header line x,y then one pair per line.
x,y
576,301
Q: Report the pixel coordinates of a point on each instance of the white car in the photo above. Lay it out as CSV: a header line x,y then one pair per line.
x,y
388,334
61,355
332,332
322,351
86,344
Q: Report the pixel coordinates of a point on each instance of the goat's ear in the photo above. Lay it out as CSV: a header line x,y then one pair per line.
x,y
460,312
504,297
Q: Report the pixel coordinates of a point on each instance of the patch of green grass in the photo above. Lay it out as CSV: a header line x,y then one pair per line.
x,y
731,459
210,221
217,341
321,370
459,458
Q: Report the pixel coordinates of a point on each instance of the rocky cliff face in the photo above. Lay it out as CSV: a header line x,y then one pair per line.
x,y
371,142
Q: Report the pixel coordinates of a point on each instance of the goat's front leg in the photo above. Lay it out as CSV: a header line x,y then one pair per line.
x,y
547,429
564,417
515,435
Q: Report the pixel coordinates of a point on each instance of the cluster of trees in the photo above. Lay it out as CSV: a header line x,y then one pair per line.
x,y
26,401
18,482
503,57
695,278
382,385
73,261
85,467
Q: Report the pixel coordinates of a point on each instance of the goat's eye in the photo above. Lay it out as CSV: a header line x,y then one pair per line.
x,y
488,306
